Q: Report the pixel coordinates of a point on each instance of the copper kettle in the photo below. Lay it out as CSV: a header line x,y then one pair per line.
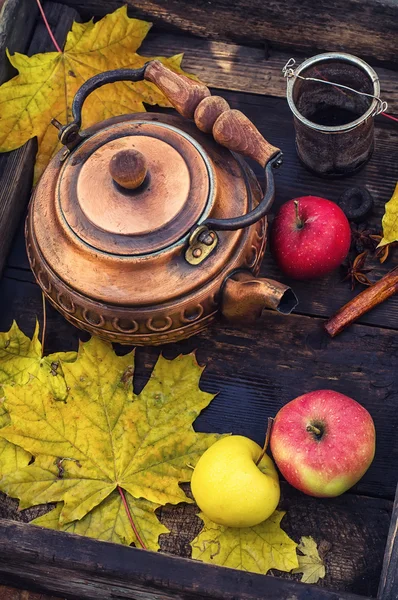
x,y
143,228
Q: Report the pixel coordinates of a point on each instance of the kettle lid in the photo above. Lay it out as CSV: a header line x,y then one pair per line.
x,y
136,187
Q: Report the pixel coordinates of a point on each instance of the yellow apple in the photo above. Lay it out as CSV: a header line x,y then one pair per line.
x,y
230,488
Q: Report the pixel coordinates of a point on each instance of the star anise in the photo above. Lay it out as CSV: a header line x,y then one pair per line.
x,y
383,252
362,238
356,271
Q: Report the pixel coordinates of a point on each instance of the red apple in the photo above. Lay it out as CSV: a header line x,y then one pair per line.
x,y
310,237
323,442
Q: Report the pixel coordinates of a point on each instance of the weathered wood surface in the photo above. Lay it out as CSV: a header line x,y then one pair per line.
x,y
256,371
8,593
17,21
388,588
322,297
16,168
367,27
82,568
241,68
60,18
349,524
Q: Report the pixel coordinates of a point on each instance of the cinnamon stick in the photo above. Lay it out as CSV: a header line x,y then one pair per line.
x,y
375,294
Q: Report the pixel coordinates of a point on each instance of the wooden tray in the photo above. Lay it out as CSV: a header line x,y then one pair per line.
x,y
240,52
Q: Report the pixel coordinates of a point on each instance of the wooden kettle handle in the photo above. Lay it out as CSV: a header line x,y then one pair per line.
x,y
192,99
183,93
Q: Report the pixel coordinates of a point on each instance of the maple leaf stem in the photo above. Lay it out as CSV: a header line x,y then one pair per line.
x,y
54,41
267,436
43,331
130,518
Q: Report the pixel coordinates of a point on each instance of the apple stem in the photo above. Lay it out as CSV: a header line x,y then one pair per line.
x,y
314,429
267,436
299,222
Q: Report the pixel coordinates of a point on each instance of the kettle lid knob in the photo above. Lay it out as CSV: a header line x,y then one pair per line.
x,y
128,168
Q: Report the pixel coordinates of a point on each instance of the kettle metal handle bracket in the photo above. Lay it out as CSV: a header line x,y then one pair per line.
x,y
201,243
204,239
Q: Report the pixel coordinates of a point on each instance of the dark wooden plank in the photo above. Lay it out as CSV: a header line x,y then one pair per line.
x,y
255,373
7,593
85,569
241,68
16,175
349,525
258,370
324,296
388,589
366,27
16,168
17,22
60,18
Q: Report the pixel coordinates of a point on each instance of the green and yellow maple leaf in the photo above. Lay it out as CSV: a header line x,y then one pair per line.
x,y
310,563
12,457
258,549
108,522
20,360
107,437
390,220
47,83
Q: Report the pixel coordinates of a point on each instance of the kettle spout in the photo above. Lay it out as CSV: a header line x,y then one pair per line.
x,y
245,297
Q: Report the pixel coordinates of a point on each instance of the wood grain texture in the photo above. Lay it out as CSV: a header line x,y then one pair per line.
x,y
257,370
348,524
242,68
208,111
366,27
322,297
183,93
236,132
16,168
86,569
17,22
388,588
7,593
16,175
60,18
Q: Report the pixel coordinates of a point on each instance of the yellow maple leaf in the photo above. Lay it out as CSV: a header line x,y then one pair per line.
x,y
390,220
20,360
108,522
107,437
310,563
46,84
258,549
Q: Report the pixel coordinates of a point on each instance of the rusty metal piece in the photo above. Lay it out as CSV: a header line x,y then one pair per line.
x,y
245,297
334,126
201,243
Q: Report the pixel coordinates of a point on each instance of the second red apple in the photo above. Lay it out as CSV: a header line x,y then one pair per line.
x,y
310,237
